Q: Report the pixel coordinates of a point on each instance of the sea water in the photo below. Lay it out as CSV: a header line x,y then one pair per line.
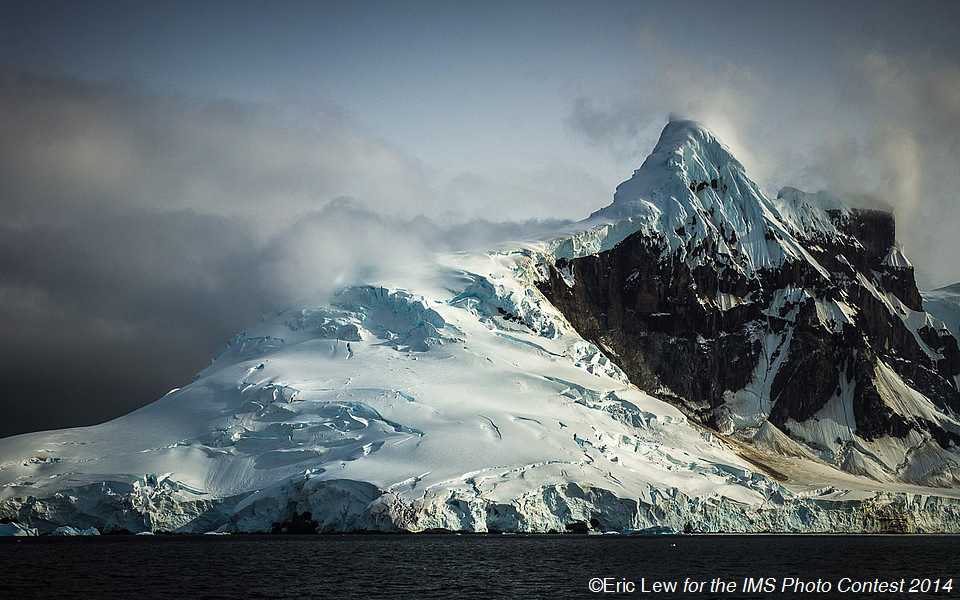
x,y
481,566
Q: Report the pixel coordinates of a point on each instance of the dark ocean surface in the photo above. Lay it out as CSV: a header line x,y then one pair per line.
x,y
472,566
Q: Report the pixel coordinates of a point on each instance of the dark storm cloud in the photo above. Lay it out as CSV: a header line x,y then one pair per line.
x,y
101,314
141,230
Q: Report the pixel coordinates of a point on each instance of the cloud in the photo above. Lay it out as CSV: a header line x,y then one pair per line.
x,y
556,190
109,311
345,244
141,230
913,144
72,146
725,96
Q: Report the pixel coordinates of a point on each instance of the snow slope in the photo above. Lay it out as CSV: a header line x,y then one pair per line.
x,y
477,390
463,402
725,215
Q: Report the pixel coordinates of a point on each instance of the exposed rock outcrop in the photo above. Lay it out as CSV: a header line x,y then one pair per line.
x,y
822,314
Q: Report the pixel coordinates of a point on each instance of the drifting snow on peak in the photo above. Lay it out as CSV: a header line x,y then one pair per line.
x,y
821,200
694,198
688,155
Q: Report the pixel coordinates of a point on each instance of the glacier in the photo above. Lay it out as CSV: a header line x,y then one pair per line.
x,y
466,401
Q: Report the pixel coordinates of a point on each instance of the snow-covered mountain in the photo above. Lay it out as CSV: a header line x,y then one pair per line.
x,y
795,312
695,356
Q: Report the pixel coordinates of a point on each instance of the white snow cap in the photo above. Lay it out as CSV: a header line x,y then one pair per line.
x,y
693,195
685,148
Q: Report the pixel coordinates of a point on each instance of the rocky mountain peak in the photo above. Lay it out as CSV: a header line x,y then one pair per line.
x,y
694,197
687,160
797,312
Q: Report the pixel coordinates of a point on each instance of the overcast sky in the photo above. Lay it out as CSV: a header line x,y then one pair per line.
x,y
171,170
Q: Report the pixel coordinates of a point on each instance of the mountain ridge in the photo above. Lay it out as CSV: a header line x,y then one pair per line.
x,y
497,397
733,275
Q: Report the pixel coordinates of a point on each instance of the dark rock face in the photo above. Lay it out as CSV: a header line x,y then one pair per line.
x,y
648,315
660,319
